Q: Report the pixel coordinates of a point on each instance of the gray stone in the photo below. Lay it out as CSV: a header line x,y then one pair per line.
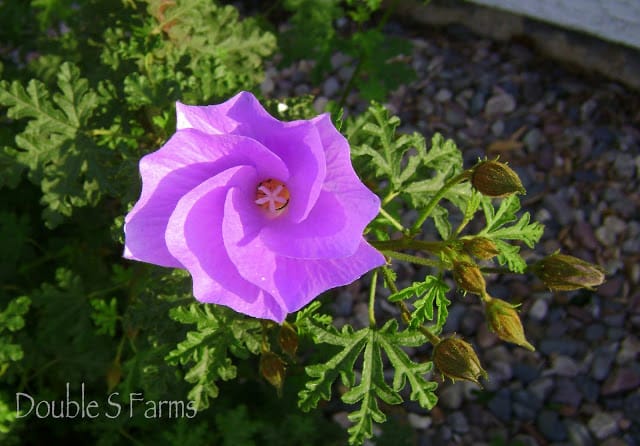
x,y
500,404
342,419
524,372
343,303
454,114
624,166
583,232
267,86
588,387
566,392
452,396
621,380
477,102
497,128
603,425
500,104
443,95
578,434
629,349
470,322
539,309
611,228
339,59
603,358
331,87
418,421
564,366
458,422
632,407
345,73
563,346
616,442
551,426
541,388
532,139
524,440
525,405
453,320
594,332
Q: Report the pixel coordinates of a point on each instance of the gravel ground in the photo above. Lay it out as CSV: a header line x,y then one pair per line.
x,y
575,141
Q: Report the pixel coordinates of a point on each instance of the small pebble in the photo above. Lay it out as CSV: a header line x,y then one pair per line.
x,y
499,105
603,425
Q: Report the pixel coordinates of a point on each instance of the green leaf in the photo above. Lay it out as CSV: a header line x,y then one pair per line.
x,y
509,255
54,146
12,318
503,224
205,351
403,161
105,315
371,343
422,391
371,385
436,290
417,289
340,364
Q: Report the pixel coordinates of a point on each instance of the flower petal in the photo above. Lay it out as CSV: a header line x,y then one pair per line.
x,y
362,204
241,115
194,237
295,142
325,233
187,159
335,225
292,282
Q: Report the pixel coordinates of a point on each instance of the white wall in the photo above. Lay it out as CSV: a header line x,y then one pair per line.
x,y
614,20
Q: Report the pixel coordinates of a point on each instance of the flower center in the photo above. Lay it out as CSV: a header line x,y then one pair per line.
x,y
272,195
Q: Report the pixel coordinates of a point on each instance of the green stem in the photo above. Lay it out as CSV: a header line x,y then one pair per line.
x,y
372,299
409,258
390,196
409,243
394,222
437,197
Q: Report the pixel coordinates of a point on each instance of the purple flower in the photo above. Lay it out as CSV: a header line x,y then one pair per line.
x,y
264,214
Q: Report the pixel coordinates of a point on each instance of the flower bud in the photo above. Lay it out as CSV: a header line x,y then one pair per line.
x,y
456,359
288,339
469,277
480,247
496,179
272,369
564,273
504,321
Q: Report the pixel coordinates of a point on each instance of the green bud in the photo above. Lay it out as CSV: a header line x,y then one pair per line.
x,y
504,321
272,368
564,273
480,247
496,179
288,339
468,276
456,359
